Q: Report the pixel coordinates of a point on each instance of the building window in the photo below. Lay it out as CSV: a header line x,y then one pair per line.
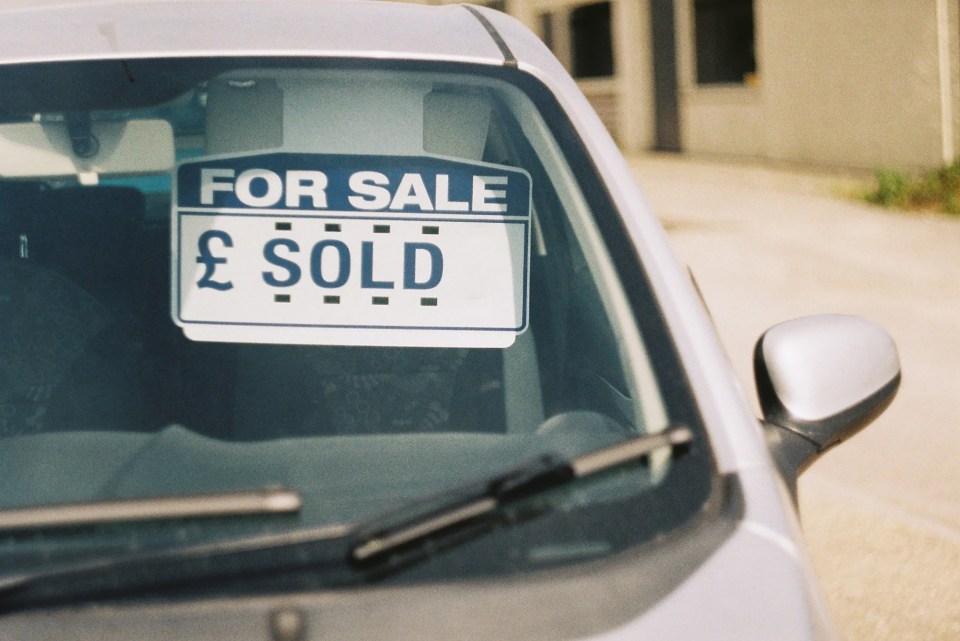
x,y
724,41
591,41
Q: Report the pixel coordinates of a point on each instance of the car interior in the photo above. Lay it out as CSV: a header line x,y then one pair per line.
x,y
87,344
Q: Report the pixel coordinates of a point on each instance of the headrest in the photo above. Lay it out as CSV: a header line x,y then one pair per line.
x,y
83,230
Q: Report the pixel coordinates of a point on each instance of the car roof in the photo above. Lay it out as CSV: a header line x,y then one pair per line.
x,y
43,30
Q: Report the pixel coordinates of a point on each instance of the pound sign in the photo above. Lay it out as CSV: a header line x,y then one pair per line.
x,y
210,262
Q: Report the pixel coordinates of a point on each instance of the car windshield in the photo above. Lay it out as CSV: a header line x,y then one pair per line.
x,y
363,283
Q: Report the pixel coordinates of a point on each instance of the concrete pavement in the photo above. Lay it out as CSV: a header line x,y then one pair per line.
x,y
882,511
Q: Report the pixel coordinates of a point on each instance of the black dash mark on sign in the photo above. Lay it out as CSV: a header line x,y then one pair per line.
x,y
283,226
331,300
430,230
281,298
331,227
428,302
381,300
381,229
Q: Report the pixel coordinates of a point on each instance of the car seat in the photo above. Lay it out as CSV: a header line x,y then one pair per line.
x,y
65,362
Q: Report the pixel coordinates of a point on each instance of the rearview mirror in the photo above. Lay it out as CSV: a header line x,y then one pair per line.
x,y
820,380
34,150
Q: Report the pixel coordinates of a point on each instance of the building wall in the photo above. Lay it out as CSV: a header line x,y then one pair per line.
x,y
624,100
855,83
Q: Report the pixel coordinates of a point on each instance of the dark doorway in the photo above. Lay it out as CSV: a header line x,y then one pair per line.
x,y
724,41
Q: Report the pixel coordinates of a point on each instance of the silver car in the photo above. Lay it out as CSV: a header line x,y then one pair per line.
x,y
347,320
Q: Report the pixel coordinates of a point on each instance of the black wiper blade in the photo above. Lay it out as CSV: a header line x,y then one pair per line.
x,y
265,502
191,562
271,500
478,500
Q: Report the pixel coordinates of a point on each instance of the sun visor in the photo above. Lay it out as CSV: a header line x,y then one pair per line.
x,y
244,115
88,150
311,113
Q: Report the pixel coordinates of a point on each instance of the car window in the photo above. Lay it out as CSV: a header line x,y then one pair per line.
x,y
364,283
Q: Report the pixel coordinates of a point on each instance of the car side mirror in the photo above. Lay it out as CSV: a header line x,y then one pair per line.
x,y
820,380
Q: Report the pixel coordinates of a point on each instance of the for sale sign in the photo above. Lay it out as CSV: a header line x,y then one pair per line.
x,y
350,250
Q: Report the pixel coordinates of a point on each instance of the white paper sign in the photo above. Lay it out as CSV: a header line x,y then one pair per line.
x,y
350,250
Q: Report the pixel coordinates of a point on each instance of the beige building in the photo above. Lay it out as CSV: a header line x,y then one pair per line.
x,y
854,83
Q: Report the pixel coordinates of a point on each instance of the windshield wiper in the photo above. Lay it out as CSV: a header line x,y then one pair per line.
x,y
468,504
328,545
271,500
